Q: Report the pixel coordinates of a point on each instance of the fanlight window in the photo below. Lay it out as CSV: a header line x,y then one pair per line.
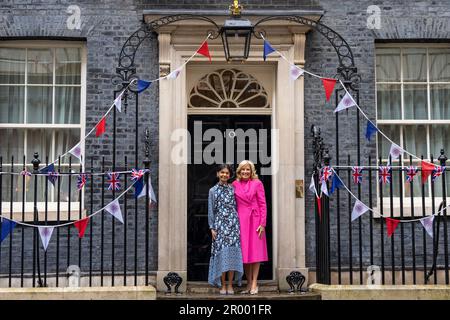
x,y
228,88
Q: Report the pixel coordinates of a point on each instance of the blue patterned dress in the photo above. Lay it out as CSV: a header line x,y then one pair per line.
x,y
226,254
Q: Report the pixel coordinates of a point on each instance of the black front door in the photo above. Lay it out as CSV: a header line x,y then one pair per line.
x,y
202,176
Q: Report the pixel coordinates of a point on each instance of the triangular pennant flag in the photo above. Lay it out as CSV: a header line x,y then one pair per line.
x,y
359,209
174,74
138,188
335,183
396,151
7,227
328,85
81,226
324,188
346,102
114,209
268,49
151,192
312,186
319,207
391,225
427,223
295,72
52,175
46,234
76,151
204,50
142,85
427,169
370,130
118,103
100,127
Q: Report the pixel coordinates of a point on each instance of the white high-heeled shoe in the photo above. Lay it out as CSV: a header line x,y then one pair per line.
x,y
255,291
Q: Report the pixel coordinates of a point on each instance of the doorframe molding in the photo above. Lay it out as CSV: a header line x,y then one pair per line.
x,y
288,213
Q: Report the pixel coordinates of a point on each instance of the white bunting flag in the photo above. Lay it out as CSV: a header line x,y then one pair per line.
x,y
114,209
324,188
359,209
76,151
174,74
46,234
395,151
151,192
118,103
346,102
295,72
427,223
312,186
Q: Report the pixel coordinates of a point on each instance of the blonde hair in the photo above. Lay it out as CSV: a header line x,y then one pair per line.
x,y
244,163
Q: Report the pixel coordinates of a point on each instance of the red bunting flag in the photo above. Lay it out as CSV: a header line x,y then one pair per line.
x,y
391,225
81,226
427,169
319,207
204,50
328,85
100,127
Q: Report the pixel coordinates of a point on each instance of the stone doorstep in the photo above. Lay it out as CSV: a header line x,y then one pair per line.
x,y
80,293
382,292
237,296
202,287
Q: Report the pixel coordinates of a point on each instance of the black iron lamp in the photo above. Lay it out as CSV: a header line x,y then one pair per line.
x,y
236,35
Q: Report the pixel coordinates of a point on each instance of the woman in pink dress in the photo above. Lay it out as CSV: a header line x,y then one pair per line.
x,y
251,208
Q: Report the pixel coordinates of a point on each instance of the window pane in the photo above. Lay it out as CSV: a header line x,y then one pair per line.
x,y
388,64
384,146
65,139
389,101
439,64
414,64
440,101
11,144
65,188
39,105
12,65
40,66
415,139
415,97
39,140
439,139
41,190
11,104
68,66
67,104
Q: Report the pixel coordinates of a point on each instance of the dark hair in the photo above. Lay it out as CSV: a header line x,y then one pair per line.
x,y
220,167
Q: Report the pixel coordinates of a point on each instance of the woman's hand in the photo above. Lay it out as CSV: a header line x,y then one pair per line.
x,y
213,234
260,230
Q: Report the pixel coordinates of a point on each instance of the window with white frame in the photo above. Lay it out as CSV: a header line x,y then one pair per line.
x,y
42,94
413,105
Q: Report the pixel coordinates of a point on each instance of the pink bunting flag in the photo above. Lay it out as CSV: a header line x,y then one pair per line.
x,y
46,234
114,209
328,85
391,225
81,226
427,169
345,103
427,224
396,151
359,209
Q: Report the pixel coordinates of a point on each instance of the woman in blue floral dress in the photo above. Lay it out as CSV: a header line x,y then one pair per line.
x,y
226,254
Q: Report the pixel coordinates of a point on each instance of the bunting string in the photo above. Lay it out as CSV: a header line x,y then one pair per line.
x,y
346,102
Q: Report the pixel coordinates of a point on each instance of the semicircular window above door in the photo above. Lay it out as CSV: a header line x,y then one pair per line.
x,y
228,89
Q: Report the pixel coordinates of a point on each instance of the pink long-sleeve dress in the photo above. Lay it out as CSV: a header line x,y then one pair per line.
x,y
251,208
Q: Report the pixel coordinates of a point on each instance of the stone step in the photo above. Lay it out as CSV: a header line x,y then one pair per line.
x,y
259,296
205,288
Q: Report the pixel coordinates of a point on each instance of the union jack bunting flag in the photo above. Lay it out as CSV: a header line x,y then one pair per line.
x,y
25,173
437,172
357,174
326,173
81,181
136,174
113,180
410,173
384,174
